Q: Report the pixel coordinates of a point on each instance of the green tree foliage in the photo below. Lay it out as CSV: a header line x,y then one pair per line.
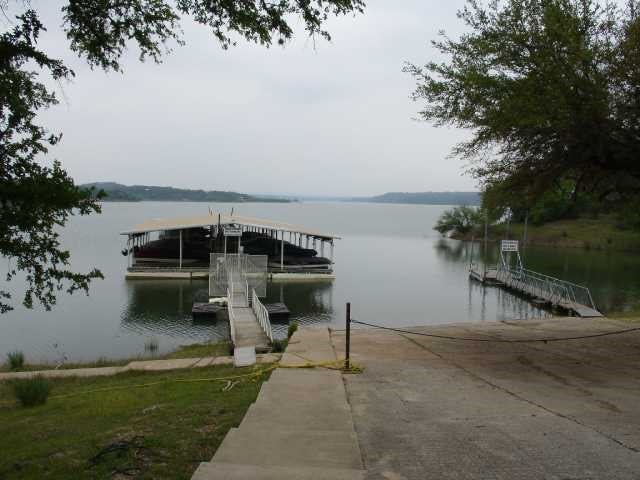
x,y
36,194
549,90
459,220
554,204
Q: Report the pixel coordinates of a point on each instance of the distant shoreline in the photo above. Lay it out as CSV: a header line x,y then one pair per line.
x,y
117,192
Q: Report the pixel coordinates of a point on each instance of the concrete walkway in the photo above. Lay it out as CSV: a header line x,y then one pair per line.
x,y
426,408
299,428
138,365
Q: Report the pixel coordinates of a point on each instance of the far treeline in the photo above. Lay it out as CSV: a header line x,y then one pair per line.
x,y
116,192
550,91
426,198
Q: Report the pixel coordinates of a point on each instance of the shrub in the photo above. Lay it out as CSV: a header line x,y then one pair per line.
x,y
32,391
459,220
15,360
293,328
151,345
278,346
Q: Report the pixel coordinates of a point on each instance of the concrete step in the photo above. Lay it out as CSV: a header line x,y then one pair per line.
x,y
330,418
325,387
284,446
298,412
232,471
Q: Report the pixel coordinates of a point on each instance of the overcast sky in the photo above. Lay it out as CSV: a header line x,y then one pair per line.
x,y
331,120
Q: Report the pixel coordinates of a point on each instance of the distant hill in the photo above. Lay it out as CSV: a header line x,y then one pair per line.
x,y
426,198
117,192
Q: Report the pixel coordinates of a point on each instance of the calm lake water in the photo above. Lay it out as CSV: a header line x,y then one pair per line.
x,y
390,264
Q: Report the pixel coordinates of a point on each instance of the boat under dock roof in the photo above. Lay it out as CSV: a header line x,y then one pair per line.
x,y
183,223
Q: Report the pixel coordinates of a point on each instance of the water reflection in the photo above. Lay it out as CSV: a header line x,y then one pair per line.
x,y
309,303
479,296
164,307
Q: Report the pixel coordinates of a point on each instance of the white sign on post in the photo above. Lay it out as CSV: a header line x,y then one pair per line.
x,y
509,245
232,231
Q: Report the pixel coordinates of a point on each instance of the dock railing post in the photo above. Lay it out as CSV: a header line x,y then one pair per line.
x,y
347,364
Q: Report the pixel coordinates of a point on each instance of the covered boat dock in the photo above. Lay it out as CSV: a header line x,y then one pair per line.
x,y
182,247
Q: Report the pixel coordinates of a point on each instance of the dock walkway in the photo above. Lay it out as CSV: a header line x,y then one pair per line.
x,y
299,428
246,330
540,288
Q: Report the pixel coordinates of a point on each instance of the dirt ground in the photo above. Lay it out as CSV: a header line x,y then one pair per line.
x,y
428,408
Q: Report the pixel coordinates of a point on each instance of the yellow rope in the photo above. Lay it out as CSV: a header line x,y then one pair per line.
x,y
256,374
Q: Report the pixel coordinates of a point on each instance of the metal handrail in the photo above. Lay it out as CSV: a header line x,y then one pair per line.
x,y
262,314
554,289
232,318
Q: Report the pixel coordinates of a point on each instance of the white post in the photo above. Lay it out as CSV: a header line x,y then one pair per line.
x,y
307,241
180,262
331,252
282,252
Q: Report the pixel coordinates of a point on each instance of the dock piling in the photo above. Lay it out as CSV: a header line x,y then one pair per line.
x,y
347,363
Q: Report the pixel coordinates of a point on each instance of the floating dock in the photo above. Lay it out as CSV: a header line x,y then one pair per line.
x,y
278,312
539,288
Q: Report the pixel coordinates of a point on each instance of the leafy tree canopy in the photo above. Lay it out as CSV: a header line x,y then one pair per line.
x,y
550,90
459,220
36,195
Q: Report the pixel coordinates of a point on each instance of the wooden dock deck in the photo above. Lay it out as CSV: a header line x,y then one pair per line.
x,y
537,294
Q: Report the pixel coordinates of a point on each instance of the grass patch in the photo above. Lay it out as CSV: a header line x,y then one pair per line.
x,y
15,360
293,328
632,315
278,346
198,350
32,391
600,233
161,431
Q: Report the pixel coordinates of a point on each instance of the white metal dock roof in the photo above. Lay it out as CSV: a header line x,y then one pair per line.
x,y
207,220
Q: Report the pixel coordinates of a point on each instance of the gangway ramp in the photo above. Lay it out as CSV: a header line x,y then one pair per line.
x,y
242,279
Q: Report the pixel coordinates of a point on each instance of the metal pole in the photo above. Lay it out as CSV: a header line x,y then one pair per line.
x,y
347,362
524,240
180,264
282,252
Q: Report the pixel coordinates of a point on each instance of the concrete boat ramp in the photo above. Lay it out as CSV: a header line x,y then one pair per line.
x,y
430,408
299,428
